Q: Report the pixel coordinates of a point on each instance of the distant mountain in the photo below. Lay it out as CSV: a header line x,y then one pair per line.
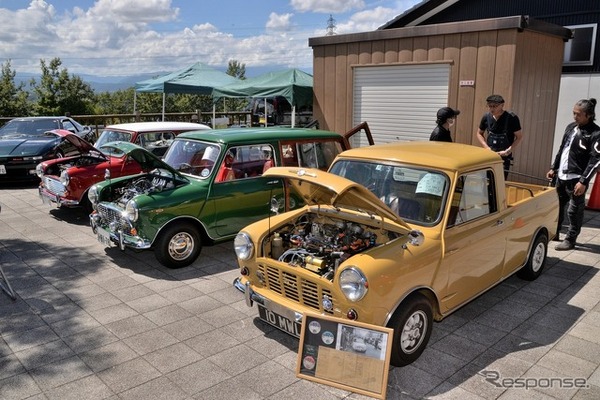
x,y
114,83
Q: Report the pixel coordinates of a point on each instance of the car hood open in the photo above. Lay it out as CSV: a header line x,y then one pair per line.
x,y
323,188
82,145
146,159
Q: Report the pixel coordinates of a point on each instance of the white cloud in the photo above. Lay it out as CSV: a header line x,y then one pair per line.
x,y
114,37
368,20
279,22
327,6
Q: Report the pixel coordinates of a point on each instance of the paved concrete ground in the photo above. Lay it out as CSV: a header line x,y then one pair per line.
x,y
96,323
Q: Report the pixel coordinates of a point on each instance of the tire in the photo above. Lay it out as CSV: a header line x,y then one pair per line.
x,y
178,245
537,259
412,324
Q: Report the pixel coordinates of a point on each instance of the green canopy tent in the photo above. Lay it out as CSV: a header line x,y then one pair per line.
x,y
295,85
195,79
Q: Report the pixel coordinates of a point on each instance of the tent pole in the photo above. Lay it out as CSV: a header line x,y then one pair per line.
x,y
214,116
293,116
163,112
266,114
134,101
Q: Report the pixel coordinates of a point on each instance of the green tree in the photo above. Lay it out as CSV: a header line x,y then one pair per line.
x,y
118,102
13,99
59,93
237,70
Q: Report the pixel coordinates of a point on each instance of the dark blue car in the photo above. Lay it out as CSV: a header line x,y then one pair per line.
x,y
25,142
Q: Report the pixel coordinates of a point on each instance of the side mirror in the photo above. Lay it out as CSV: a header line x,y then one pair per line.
x,y
274,205
416,238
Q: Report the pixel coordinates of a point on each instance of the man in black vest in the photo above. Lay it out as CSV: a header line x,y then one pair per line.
x,y
503,130
577,160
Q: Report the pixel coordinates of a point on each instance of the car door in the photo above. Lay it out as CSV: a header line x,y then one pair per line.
x,y
240,194
474,239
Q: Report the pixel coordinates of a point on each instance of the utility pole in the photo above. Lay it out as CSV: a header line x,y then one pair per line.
x,y
330,26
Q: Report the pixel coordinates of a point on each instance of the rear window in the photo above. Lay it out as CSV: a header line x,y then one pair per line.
x,y
113,136
30,127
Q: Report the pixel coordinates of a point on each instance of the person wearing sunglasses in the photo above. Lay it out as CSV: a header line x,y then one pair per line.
x,y
500,130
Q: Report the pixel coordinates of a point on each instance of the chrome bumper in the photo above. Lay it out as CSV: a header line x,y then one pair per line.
x,y
50,199
251,297
119,237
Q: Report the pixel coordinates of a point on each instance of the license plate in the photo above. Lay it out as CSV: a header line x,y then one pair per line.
x,y
2,170
103,236
279,321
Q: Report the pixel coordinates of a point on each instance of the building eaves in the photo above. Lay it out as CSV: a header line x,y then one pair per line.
x,y
519,22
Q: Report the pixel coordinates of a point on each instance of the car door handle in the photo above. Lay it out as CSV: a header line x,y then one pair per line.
x,y
499,222
275,182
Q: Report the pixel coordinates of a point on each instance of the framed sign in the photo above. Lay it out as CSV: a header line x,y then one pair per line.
x,y
346,354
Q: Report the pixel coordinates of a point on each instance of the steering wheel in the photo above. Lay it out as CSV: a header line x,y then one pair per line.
x,y
184,166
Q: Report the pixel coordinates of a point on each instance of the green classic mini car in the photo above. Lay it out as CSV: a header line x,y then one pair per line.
x,y
207,187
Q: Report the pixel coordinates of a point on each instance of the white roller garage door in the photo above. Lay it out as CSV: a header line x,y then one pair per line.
x,y
400,102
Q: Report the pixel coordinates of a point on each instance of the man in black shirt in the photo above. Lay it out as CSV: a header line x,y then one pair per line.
x,y
446,117
577,160
503,130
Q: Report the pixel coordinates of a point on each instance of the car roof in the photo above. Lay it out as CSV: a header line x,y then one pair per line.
x,y
451,156
157,125
38,118
245,135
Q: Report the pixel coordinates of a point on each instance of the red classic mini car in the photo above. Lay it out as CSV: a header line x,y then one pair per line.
x,y
65,181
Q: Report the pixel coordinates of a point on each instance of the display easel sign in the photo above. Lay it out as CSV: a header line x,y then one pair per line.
x,y
346,354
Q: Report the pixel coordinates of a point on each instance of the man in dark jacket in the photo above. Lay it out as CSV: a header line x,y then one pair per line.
x,y
503,130
446,117
574,166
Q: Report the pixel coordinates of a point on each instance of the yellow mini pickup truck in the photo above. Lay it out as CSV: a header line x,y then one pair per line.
x,y
395,235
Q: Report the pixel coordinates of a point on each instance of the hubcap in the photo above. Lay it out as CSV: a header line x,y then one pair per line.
x,y
413,332
181,246
538,257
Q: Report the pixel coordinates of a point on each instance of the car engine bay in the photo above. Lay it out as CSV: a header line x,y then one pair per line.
x,y
321,243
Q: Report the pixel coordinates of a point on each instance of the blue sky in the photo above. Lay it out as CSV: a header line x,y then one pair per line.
x,y
128,37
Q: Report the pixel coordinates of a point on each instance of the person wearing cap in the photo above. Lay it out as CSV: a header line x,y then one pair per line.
x,y
503,130
446,117
575,163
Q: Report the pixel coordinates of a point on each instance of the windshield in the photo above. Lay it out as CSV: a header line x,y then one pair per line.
x,y
192,157
414,194
108,135
28,127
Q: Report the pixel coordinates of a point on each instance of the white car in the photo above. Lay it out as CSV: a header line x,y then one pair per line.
x,y
358,344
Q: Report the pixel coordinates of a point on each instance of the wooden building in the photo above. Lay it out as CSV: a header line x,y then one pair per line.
x,y
396,80
581,62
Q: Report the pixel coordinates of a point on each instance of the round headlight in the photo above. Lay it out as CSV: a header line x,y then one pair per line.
x,y
243,246
93,194
131,210
64,177
39,170
353,284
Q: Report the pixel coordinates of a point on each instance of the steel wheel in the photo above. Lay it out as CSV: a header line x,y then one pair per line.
x,y
413,332
178,245
412,324
537,259
181,246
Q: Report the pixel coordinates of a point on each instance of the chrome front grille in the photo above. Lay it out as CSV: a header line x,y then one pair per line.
x,y
295,288
110,214
54,186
